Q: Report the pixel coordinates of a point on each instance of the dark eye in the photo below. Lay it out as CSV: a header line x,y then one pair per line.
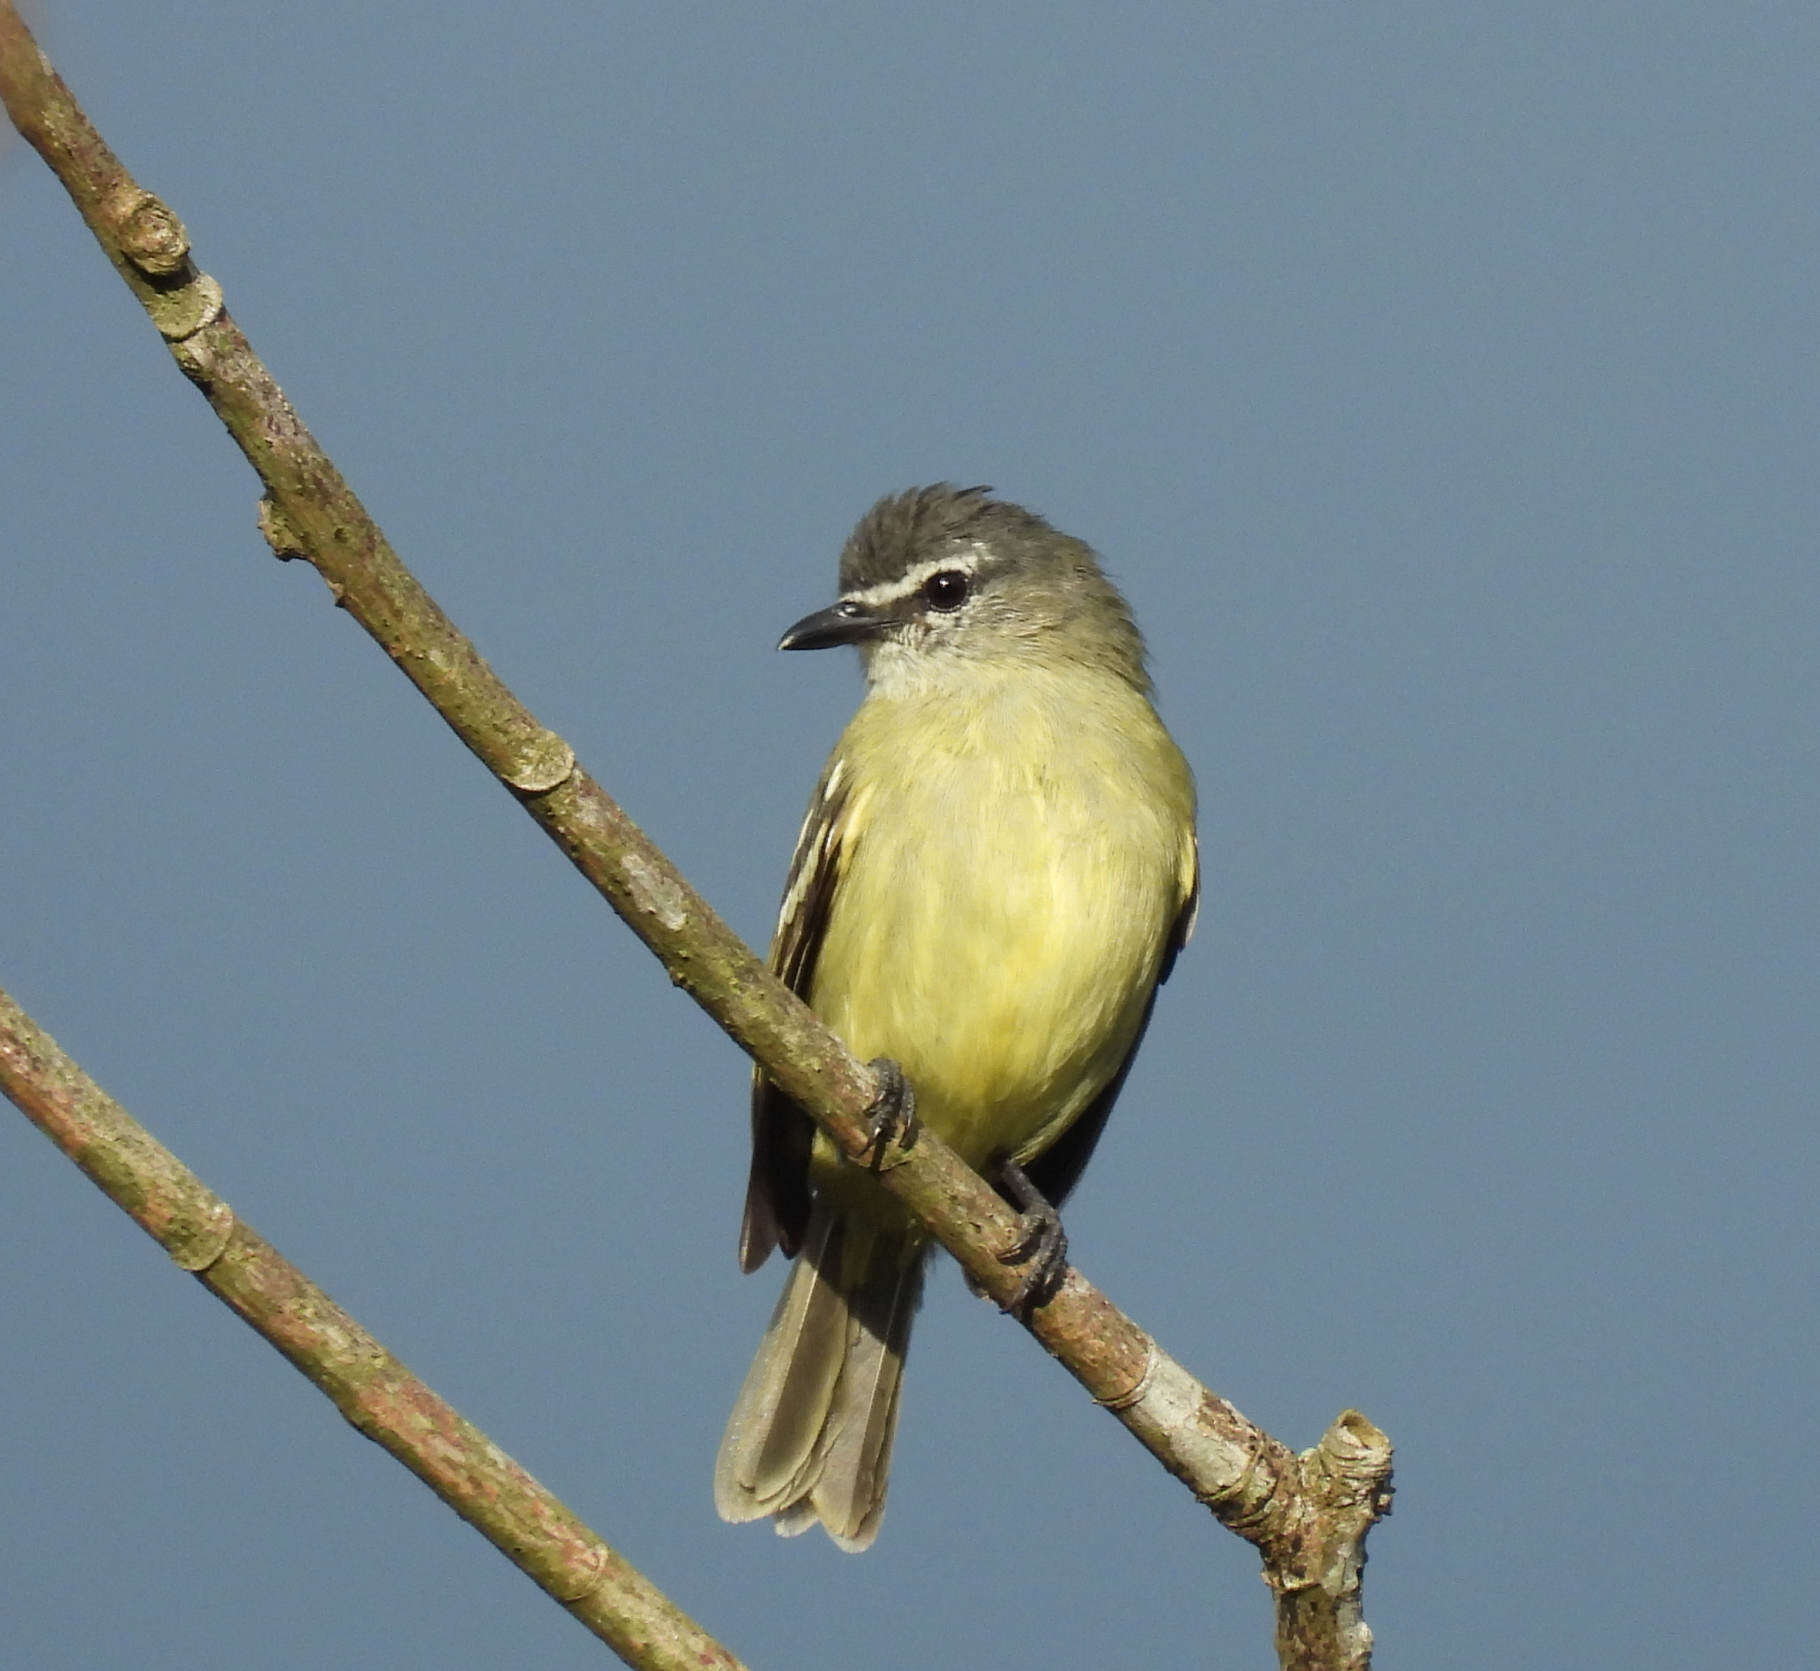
x,y
947,590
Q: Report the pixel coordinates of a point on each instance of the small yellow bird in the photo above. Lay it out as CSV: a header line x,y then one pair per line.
x,y
996,872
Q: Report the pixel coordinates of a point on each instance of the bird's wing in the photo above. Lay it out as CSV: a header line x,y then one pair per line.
x,y
777,1195
1058,1168
1181,931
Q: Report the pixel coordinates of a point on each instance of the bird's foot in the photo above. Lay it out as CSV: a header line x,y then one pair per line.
x,y
893,1115
1042,1243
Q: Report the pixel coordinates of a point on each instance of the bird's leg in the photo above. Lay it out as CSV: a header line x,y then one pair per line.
x,y
1042,1241
893,1114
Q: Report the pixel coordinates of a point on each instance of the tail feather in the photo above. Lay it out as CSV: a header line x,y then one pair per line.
x,y
810,1435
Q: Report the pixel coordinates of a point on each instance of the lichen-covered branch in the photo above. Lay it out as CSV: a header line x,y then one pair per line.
x,y
1307,1515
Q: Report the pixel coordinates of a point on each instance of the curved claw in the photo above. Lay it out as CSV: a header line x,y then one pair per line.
x,y
1043,1243
893,1114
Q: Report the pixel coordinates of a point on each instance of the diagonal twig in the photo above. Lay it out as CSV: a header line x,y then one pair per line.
x,y
372,1389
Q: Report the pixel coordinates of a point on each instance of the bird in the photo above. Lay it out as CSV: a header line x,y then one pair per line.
x,y
997,869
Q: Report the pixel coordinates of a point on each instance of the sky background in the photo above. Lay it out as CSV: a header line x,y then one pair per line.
x,y
1440,384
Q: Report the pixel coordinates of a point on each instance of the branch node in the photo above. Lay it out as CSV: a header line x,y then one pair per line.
x,y
278,531
151,237
1146,1376
585,1583
1230,1504
198,1246
1351,1465
546,764
181,313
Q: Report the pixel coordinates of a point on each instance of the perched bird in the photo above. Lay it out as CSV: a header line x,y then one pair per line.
x,y
997,870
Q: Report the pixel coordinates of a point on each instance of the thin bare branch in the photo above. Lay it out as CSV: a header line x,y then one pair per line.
x,y
1307,1515
371,1388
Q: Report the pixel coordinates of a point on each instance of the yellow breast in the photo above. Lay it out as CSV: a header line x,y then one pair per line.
x,y
1014,854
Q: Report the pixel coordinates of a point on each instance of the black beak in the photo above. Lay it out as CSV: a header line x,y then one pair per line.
x,y
845,622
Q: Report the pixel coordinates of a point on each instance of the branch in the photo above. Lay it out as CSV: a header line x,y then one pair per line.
x,y
372,1389
1307,1515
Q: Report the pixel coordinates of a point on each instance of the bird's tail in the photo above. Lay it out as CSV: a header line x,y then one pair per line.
x,y
810,1435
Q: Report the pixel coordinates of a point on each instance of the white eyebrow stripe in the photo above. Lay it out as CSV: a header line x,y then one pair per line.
x,y
889,591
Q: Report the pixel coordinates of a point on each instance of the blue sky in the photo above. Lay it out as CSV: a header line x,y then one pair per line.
x,y
1439,384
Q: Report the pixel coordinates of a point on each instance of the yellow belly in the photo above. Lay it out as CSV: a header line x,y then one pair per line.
x,y
1006,891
